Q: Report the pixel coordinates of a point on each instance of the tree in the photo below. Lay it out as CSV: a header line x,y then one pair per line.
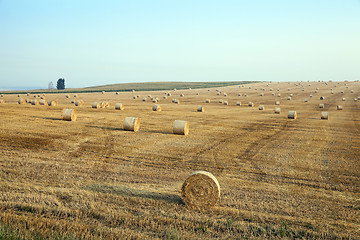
x,y
60,85
51,85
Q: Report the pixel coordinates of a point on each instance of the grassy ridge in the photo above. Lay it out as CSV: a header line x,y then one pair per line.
x,y
146,86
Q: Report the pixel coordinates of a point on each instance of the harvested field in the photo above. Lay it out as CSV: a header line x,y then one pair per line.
x,y
279,177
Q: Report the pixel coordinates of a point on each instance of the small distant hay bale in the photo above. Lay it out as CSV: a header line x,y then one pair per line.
x,y
245,95
2,101
95,105
352,91
119,106
200,108
358,98
51,103
42,97
102,104
220,101
279,95
182,95
144,99
103,92
306,100
289,98
288,89
225,94
165,97
250,104
201,190
35,96
28,94
21,101
270,89
19,95
38,95
131,124
169,94
311,96
27,100
342,92
72,101
67,96
239,94
133,90
277,103
343,99
278,89
339,107
321,105
261,107
207,101
181,127
324,115
273,94
315,91
69,115
177,101
35,102
197,93
238,103
155,100
332,92
226,103
79,103
292,115
261,94
134,97
117,93
156,108
217,93
75,95
277,110
173,100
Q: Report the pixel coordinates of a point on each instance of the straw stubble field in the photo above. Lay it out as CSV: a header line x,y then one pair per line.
x,y
279,177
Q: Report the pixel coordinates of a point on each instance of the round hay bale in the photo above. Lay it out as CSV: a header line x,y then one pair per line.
x,y
67,96
131,124
332,92
291,95
19,95
35,96
182,95
305,100
200,108
177,101
352,91
133,90
311,96
225,94
238,103
119,106
289,98
358,98
324,115
95,105
2,101
35,102
339,107
343,99
321,105
322,98
220,101
226,103
42,102
79,103
245,95
342,92
107,104
261,107
52,103
173,100
69,115
103,92
134,97
75,95
273,94
251,104
200,190
277,110
156,108
239,94
165,97
27,100
277,103
207,101
279,95
144,99
21,101
169,94
72,101
181,127
261,94
292,115
28,94
117,93
42,97
38,95
197,93
102,104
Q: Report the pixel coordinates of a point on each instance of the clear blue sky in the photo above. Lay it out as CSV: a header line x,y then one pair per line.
x,y
103,42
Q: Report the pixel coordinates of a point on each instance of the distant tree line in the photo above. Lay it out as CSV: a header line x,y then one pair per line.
x,y
60,85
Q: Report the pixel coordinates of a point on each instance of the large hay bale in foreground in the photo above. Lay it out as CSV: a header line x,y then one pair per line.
x,y
119,106
292,115
200,190
277,110
339,107
95,105
156,108
131,124
52,103
69,115
181,127
200,108
324,115
21,101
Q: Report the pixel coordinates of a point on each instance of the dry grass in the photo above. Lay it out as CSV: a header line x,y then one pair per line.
x,y
90,179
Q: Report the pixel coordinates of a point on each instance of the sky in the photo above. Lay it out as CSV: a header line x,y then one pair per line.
x,y
116,41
